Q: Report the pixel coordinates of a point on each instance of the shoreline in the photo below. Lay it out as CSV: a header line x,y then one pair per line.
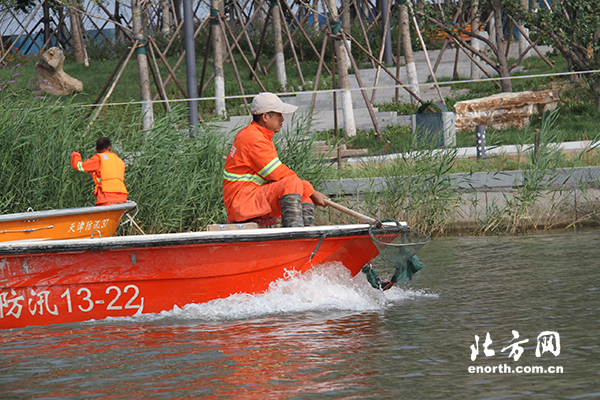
x,y
566,198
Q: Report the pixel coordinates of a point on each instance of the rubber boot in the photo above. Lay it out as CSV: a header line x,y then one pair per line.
x,y
308,214
291,211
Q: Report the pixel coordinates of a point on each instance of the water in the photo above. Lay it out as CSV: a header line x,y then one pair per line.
x,y
325,336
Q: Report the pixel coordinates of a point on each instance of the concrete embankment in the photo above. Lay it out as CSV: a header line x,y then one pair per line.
x,y
567,197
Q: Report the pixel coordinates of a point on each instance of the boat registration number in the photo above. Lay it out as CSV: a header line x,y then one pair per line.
x,y
40,302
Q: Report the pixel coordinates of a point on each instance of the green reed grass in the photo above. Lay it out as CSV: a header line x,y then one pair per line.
x,y
36,139
540,172
174,177
417,188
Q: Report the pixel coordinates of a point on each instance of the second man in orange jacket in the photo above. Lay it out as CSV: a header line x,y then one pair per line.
x,y
108,172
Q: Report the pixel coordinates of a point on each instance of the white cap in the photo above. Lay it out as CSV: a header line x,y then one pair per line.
x,y
269,102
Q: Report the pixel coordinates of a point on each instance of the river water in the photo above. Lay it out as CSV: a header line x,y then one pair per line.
x,y
327,336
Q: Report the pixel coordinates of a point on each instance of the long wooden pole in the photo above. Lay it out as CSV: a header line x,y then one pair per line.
x,y
352,213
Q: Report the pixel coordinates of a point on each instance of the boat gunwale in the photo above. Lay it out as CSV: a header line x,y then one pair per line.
x,y
185,238
28,215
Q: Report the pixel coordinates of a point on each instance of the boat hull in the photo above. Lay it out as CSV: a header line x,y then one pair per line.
x,y
68,223
79,280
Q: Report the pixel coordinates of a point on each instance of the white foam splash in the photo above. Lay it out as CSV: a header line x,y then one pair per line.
x,y
328,287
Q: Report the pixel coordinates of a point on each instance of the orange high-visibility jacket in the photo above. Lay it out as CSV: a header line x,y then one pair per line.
x,y
252,162
108,171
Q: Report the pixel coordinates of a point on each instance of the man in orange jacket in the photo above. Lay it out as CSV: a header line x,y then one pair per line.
x,y
257,186
108,172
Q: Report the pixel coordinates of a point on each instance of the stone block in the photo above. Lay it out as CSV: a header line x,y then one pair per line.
x,y
504,110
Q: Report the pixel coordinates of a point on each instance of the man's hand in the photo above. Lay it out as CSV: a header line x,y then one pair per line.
x,y
317,198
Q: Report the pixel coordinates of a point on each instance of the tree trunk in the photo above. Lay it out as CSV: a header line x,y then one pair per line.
x,y
166,16
218,42
523,37
475,71
595,85
347,27
76,45
142,59
502,67
492,29
411,67
46,24
344,81
279,56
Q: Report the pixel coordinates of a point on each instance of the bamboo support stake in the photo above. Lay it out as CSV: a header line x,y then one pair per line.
x,y
158,80
318,77
179,60
205,63
478,64
112,18
171,71
54,33
364,32
236,43
287,31
299,26
287,42
235,69
260,43
381,52
362,88
21,34
108,82
533,45
416,96
437,87
133,47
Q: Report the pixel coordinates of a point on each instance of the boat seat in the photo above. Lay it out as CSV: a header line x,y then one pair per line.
x,y
232,227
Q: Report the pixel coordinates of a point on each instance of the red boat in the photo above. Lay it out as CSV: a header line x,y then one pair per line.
x,y
68,223
63,281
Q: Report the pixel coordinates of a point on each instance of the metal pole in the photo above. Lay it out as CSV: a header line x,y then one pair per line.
x,y
388,57
190,64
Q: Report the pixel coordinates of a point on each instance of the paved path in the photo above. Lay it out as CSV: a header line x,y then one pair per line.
x,y
471,152
323,116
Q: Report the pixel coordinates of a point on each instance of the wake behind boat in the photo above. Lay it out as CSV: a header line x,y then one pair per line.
x,y
68,223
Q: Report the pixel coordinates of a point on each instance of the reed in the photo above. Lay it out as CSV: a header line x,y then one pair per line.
x,y
540,172
417,189
173,176
36,138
